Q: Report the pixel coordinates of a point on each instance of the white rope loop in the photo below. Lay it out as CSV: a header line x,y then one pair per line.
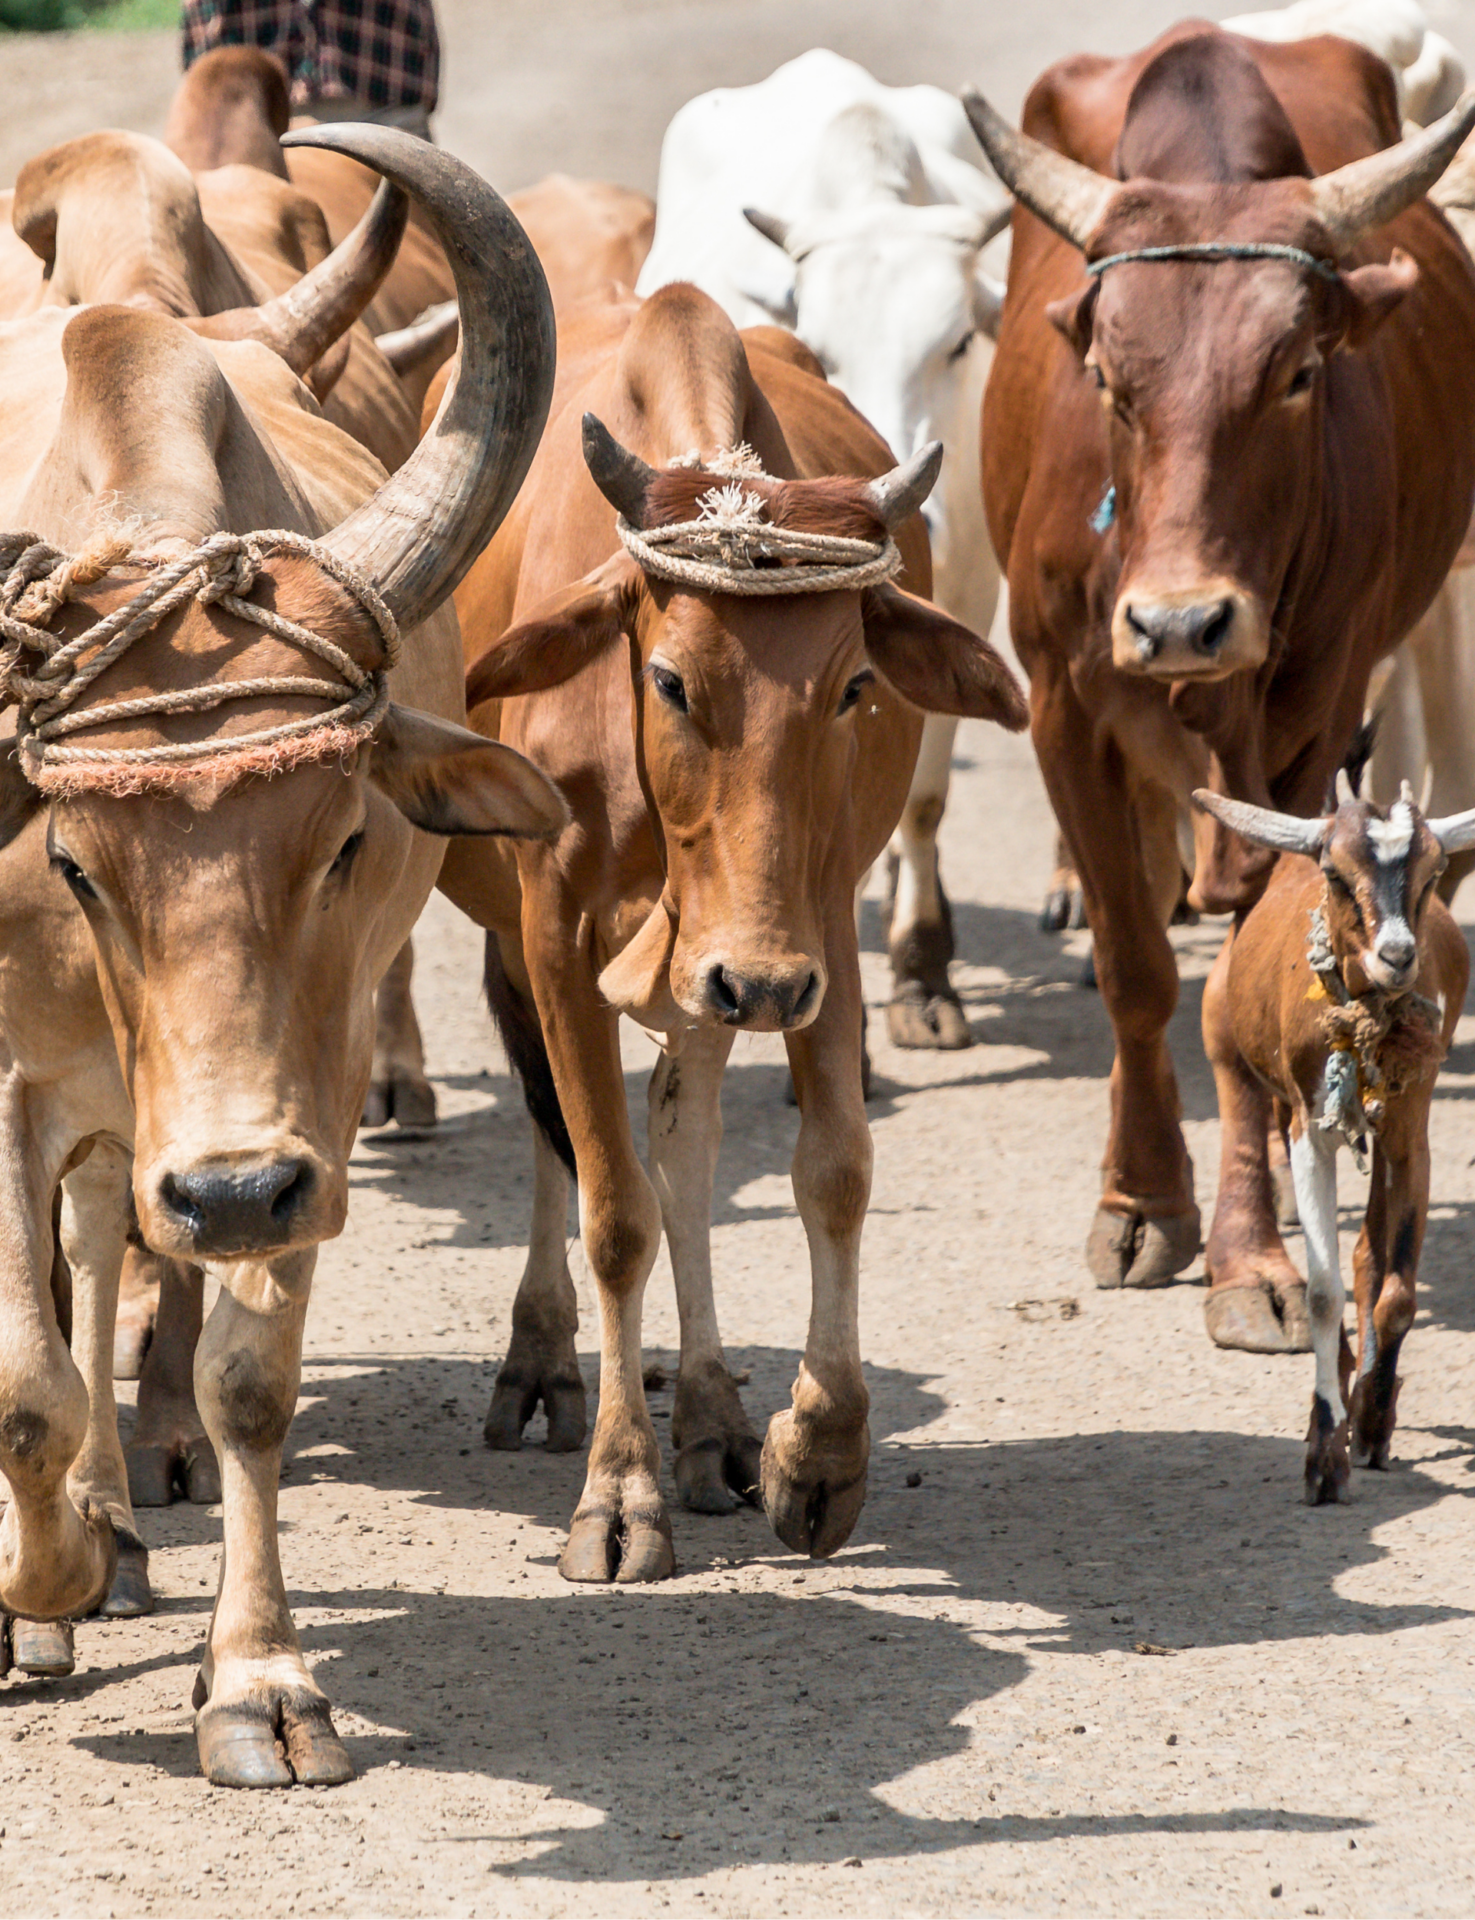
x,y
731,548
36,579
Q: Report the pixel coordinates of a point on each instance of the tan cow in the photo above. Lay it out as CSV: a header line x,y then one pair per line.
x,y
218,834
733,763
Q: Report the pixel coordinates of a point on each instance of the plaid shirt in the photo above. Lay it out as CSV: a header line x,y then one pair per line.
x,y
383,52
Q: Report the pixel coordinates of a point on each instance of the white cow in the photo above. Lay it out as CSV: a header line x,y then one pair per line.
x,y
856,214
1428,72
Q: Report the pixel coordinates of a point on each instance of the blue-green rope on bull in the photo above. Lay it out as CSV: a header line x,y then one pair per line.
x,y
1218,250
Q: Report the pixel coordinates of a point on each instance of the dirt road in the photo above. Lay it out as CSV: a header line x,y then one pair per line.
x,y
956,1714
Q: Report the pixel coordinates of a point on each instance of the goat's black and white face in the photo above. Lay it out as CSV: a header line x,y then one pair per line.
x,y
1380,872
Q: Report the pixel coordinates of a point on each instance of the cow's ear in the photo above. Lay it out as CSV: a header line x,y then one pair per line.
x,y
936,662
1369,295
447,779
1075,316
562,636
19,800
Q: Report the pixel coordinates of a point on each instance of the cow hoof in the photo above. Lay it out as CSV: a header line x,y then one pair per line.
x,y
185,1466
1295,1316
919,1020
407,1099
717,1474
1328,1469
1249,1320
631,1547
515,1399
1137,1250
812,1493
130,1596
1064,910
285,1739
1283,1193
43,1648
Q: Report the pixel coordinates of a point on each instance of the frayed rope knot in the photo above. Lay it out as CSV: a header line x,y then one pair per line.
x,y
731,547
1379,1045
45,676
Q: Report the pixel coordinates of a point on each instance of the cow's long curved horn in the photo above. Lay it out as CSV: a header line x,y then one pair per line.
x,y
1455,832
898,494
1067,196
621,476
317,310
418,535
1286,832
1369,192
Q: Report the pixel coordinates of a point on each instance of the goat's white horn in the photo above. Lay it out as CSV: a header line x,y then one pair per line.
x,y
1285,832
1406,794
1344,787
1455,832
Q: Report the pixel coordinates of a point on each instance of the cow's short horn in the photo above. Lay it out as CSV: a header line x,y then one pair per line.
x,y
317,310
417,536
621,476
897,495
1285,832
769,225
432,332
1067,196
1368,193
1455,832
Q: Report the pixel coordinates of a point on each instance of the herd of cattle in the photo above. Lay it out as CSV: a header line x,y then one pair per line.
x,y
311,450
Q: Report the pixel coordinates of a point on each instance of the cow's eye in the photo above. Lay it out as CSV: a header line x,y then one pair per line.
x,y
347,853
669,686
962,347
66,866
855,688
1302,380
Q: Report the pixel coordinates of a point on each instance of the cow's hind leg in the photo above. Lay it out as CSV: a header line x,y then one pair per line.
x,y
398,1089
138,1312
542,1361
816,1453
169,1451
717,1451
1257,1300
1314,1164
261,1720
925,1010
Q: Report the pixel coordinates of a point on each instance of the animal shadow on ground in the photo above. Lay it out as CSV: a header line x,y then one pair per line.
x,y
730,1726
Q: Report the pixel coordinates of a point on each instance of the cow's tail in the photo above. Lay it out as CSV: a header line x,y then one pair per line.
x,y
1355,759
521,1034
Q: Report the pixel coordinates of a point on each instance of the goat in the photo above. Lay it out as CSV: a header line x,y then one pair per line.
x,y
1313,1002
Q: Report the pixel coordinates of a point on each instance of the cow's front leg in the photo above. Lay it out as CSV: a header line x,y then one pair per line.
x,y
398,1089
57,1559
96,1207
717,1451
1385,1270
1146,1228
925,1010
261,1720
816,1452
169,1449
1257,1300
620,1529
1314,1165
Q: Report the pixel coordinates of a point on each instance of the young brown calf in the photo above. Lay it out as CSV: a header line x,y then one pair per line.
x,y
1337,994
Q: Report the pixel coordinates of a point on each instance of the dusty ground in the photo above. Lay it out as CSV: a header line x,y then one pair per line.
x,y
951,1716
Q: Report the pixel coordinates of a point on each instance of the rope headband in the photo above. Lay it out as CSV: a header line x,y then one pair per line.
x,y
721,550
1218,250
36,579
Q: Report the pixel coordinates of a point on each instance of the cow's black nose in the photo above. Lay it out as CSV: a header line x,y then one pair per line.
x,y
777,1000
232,1209
1200,625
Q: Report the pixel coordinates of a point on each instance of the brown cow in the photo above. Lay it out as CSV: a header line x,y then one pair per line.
x,y
196,916
1340,996
1228,466
733,763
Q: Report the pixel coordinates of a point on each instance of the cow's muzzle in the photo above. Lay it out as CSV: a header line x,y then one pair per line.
x,y
222,1209
1200,634
766,1000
